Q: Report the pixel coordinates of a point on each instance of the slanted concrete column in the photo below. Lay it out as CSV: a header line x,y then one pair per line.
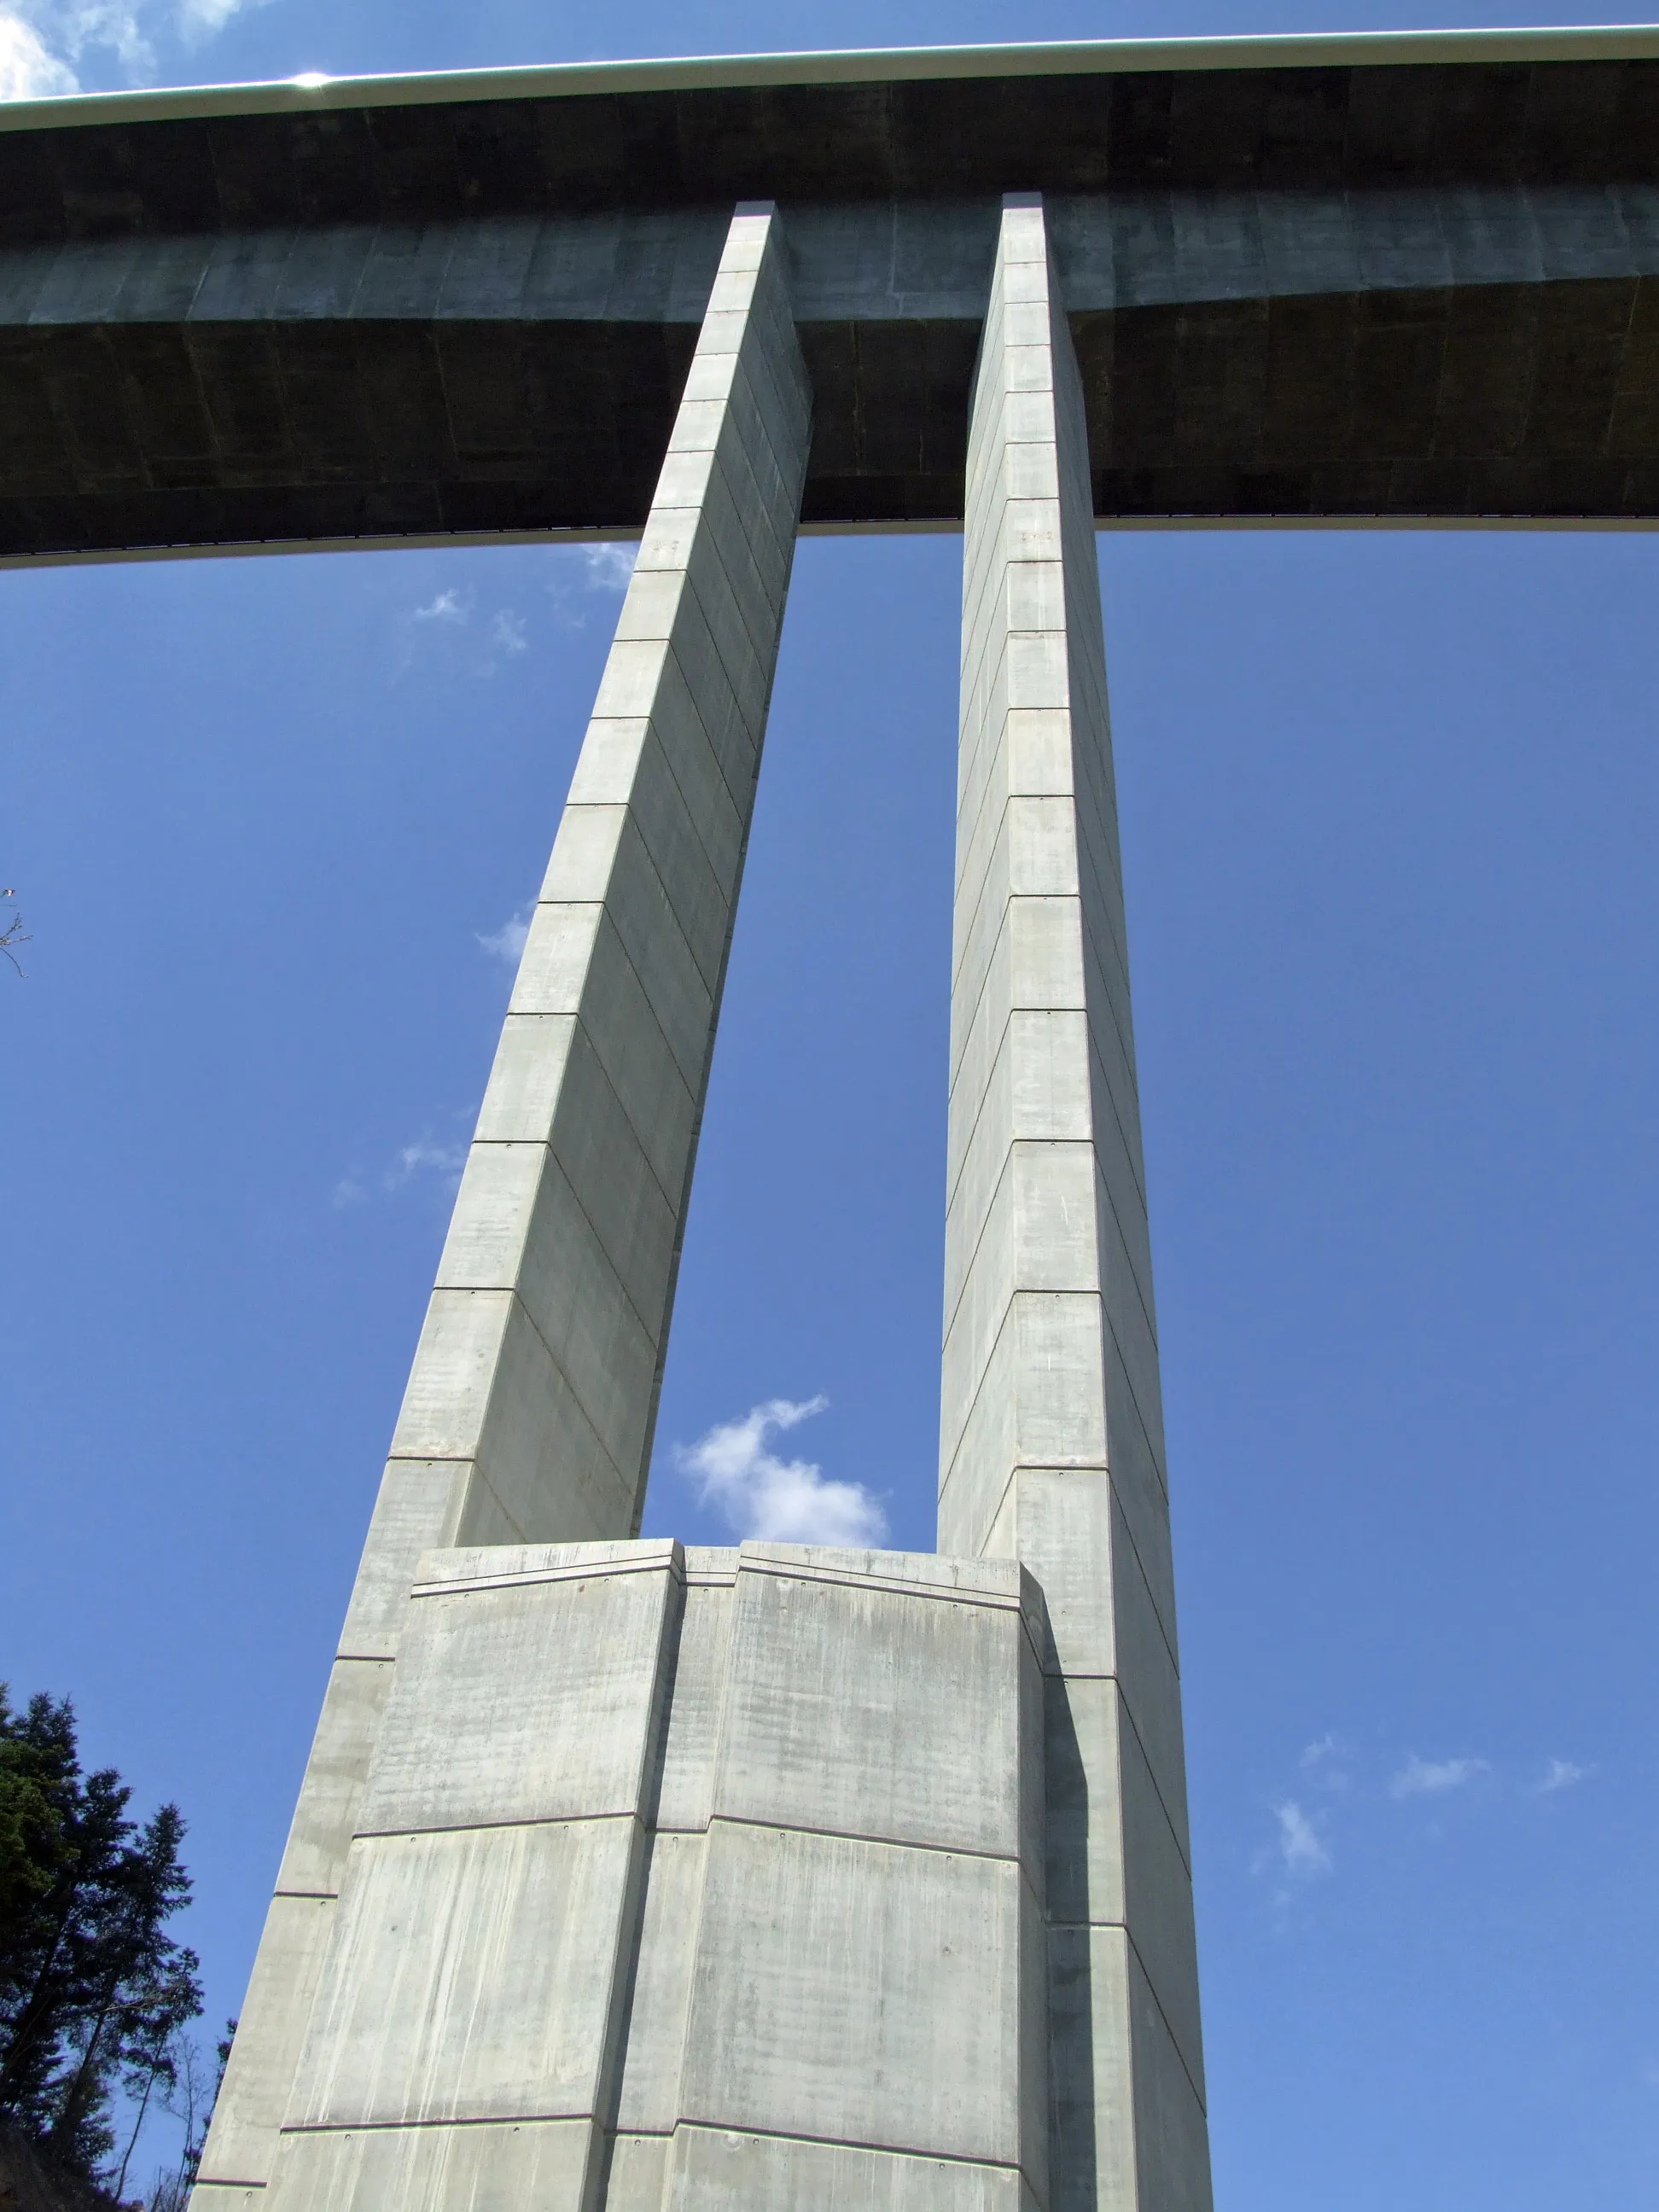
x,y
529,1412
1052,1444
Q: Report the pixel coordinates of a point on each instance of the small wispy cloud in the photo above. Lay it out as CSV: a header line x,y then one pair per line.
x,y
791,1501
425,1157
409,1165
609,567
1560,1774
451,608
1433,1777
1301,1852
1327,1762
508,943
451,627
204,19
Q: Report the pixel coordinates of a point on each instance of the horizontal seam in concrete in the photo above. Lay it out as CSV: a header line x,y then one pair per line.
x,y
491,1827
1025,1144
551,1159
1087,1928
979,1390
990,1600
1038,1005
318,1896
558,1368
467,2120
514,1581
578,1018
580,1011
633,815
593,1047
770,1826
849,2142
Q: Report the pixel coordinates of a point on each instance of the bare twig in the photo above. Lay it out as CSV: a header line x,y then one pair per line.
x,y
13,933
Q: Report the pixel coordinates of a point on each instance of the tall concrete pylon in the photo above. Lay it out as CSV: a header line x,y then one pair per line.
x,y
635,1876
529,1408
1051,1433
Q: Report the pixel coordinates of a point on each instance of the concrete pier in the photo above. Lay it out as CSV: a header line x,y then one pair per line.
x,y
529,1412
1051,1442
632,1879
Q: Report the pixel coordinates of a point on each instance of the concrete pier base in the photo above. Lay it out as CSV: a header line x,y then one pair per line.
x,y
689,1877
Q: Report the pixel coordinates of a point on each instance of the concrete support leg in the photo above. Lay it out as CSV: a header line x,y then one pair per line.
x,y
529,1409
1051,1435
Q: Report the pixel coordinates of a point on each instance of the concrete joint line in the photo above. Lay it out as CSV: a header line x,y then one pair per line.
x,y
601,1572
772,1827
492,1827
456,2120
849,2143
888,1586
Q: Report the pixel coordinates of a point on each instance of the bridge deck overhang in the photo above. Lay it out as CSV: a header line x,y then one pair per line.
x,y
1359,278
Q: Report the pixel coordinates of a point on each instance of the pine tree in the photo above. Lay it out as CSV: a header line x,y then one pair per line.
x,y
92,1992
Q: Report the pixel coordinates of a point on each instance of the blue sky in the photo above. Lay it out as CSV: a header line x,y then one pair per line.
x,y
1389,814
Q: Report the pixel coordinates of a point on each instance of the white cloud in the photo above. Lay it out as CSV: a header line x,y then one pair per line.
x,y
28,70
41,41
206,18
1302,1849
448,608
1429,1777
609,567
444,626
425,1156
508,943
1561,1774
791,1501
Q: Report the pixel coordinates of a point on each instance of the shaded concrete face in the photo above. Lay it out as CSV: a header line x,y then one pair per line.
x,y
1448,348
529,1408
1051,1427
1425,289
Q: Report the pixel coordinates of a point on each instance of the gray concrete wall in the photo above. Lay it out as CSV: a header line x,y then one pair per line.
x,y
691,1880
1051,1435
529,1412
841,1988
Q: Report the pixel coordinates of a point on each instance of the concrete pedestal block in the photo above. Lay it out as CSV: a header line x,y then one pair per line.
x,y
828,1984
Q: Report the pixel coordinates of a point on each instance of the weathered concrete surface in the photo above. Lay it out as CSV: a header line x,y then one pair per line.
x,y
1051,1431
478,1962
529,1412
689,1880
867,1968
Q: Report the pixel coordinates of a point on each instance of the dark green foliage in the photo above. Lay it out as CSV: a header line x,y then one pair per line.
x,y
92,1992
